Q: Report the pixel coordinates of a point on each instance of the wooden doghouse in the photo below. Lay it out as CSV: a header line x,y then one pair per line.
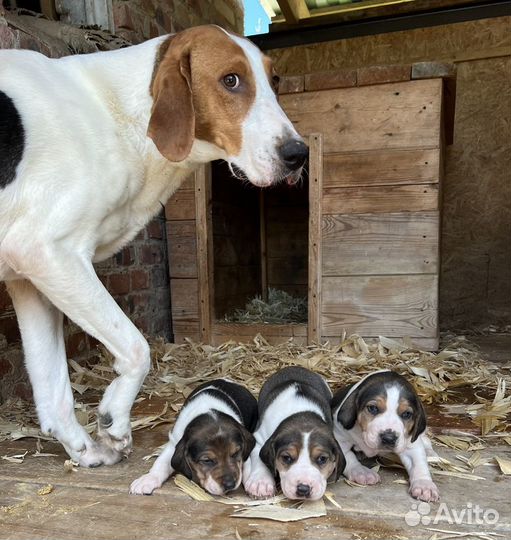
x,y
360,237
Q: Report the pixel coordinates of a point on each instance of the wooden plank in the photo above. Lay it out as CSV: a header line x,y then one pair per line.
x,y
424,344
184,298
287,271
204,250
382,167
397,115
315,215
393,306
383,199
245,333
181,205
294,10
182,248
373,244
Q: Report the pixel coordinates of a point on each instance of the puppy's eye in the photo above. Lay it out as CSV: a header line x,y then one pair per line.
x,y
287,459
231,81
407,415
322,460
208,462
236,454
373,409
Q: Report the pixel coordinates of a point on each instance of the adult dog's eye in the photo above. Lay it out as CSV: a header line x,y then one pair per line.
x,y
322,460
231,81
287,459
373,409
407,415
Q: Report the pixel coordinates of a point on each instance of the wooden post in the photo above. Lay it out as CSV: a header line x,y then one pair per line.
x,y
204,250
262,234
315,193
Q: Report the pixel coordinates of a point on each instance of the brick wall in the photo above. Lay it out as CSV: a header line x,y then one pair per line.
x,y
137,277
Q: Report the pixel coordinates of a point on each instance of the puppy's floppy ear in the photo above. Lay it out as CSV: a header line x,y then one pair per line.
x,y
347,415
267,455
172,122
179,460
420,421
248,442
340,463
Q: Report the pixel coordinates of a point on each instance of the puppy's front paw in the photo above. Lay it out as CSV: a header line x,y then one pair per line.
x,y
260,484
363,475
424,490
145,484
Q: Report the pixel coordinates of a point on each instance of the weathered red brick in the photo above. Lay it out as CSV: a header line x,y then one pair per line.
x,y
119,283
151,254
126,257
383,74
155,229
330,79
139,280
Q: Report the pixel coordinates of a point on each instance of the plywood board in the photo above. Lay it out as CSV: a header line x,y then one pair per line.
x,y
182,248
204,250
401,243
399,115
380,305
316,150
184,298
384,199
181,205
382,167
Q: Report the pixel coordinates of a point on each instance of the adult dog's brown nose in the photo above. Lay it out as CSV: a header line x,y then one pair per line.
x,y
293,153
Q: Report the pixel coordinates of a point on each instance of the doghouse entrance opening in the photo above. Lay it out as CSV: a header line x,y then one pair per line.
x,y
260,250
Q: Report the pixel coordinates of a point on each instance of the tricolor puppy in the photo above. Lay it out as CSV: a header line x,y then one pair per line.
x,y
382,414
294,438
91,146
210,440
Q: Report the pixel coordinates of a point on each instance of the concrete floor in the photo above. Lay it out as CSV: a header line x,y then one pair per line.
x,y
94,503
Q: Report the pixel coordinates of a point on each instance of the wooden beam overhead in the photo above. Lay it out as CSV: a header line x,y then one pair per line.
x,y
294,10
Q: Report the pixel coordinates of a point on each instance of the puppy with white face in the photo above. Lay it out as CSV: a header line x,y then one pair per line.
x,y
210,440
382,414
294,438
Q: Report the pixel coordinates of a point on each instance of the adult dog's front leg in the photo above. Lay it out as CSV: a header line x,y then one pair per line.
x,y
45,358
71,284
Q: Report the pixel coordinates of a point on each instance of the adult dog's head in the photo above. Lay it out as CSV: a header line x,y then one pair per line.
x,y
214,95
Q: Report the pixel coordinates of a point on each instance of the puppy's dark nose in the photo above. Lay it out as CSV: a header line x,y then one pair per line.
x,y
303,490
228,482
388,438
293,153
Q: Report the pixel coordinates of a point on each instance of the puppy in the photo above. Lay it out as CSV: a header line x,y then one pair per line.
x,y
294,438
210,441
382,414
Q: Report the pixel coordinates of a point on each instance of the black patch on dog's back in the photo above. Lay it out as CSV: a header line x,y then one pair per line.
x,y
12,140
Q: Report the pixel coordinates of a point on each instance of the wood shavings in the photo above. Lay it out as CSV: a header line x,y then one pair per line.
x,y
306,510
45,490
192,489
70,466
504,464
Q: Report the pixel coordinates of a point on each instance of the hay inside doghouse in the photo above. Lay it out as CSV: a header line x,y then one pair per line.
x,y
280,308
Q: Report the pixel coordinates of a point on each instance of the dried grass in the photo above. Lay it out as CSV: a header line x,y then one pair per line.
x,y
177,369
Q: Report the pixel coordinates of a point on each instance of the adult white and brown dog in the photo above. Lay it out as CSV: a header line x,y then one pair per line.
x,y
90,147
210,440
382,414
294,438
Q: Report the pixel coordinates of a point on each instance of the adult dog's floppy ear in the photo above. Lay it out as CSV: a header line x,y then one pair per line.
x,y
267,455
420,421
172,122
347,415
179,461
